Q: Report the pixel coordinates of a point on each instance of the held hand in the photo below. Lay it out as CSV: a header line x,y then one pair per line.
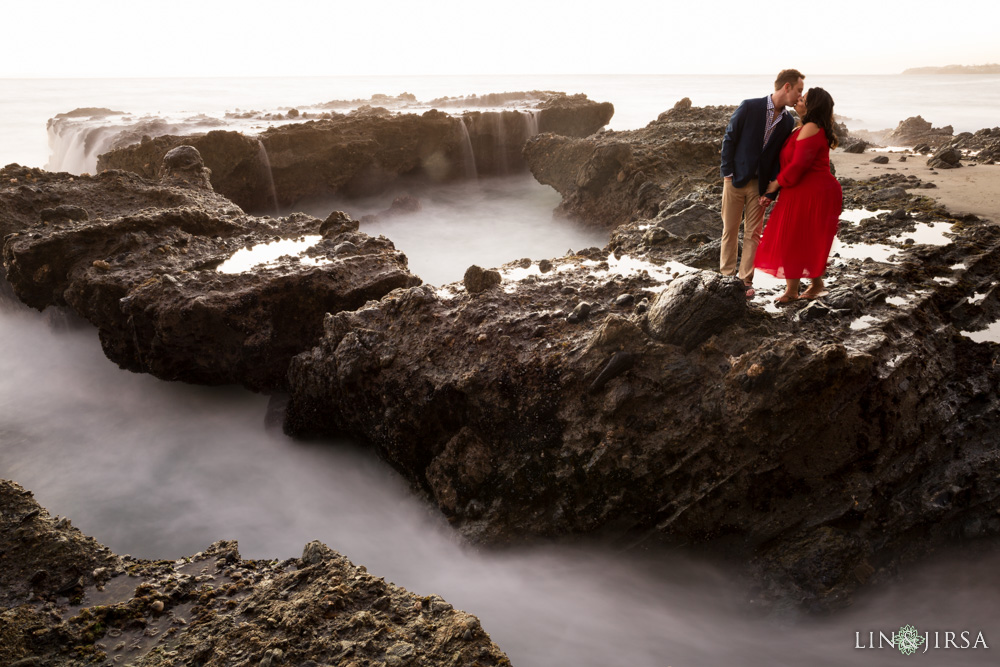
x,y
772,187
764,202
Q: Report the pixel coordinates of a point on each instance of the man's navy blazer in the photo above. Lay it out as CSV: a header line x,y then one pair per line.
x,y
742,153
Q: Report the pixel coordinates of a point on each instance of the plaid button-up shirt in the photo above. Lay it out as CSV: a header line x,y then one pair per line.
x,y
771,121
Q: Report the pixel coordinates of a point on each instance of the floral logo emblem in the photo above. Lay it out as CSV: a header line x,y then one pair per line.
x,y
908,640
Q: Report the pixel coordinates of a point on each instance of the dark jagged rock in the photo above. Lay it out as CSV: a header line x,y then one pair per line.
x,y
30,196
915,130
573,115
854,146
67,600
614,177
148,279
364,152
183,166
693,308
41,555
796,443
619,363
982,146
695,219
477,280
880,159
945,158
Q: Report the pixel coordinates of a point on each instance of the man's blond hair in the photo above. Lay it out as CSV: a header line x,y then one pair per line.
x,y
791,76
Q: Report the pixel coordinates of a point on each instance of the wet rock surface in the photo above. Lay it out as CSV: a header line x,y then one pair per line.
x,y
67,600
29,196
818,446
148,279
365,152
614,177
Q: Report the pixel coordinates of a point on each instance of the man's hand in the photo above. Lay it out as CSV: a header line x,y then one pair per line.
x,y
764,202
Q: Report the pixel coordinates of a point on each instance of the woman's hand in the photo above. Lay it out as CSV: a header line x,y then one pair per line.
x,y
772,187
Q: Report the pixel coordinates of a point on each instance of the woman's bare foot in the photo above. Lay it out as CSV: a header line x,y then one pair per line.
x,y
815,291
810,294
791,291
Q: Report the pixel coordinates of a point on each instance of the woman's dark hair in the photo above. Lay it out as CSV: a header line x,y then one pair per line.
x,y
819,110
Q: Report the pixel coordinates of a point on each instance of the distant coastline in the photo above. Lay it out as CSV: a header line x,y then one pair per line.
x,y
955,69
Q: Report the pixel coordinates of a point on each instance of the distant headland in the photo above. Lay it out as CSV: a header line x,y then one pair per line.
x,y
955,69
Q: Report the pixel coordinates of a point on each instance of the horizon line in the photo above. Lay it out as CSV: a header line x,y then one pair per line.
x,y
17,77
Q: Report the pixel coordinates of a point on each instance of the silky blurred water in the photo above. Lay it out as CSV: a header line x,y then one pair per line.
x,y
487,222
161,470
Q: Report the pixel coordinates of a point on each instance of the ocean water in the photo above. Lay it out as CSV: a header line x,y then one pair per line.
x,y
968,102
161,469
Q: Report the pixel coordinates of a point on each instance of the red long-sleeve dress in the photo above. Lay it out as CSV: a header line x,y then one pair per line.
x,y
800,232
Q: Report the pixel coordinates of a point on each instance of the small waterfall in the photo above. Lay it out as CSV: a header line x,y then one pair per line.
x,y
74,146
268,175
492,141
468,156
503,166
531,123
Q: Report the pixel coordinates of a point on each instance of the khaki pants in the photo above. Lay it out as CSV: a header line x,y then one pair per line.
x,y
740,204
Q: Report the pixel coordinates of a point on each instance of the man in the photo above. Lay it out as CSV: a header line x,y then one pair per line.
x,y
750,148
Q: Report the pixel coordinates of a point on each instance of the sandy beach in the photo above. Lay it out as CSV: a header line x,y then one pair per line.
x,y
968,189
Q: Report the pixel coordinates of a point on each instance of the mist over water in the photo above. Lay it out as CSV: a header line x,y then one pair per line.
x,y
487,222
161,470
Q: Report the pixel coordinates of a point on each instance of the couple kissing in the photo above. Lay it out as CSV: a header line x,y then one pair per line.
x,y
766,152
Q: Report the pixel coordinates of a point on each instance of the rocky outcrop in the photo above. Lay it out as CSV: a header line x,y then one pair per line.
x,y
365,152
573,115
945,158
615,177
622,394
30,196
853,145
982,147
236,163
915,130
149,278
67,600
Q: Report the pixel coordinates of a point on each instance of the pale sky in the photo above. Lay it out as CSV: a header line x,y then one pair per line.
x,y
113,38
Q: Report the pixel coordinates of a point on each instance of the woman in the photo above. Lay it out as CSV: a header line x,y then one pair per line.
x,y
800,232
